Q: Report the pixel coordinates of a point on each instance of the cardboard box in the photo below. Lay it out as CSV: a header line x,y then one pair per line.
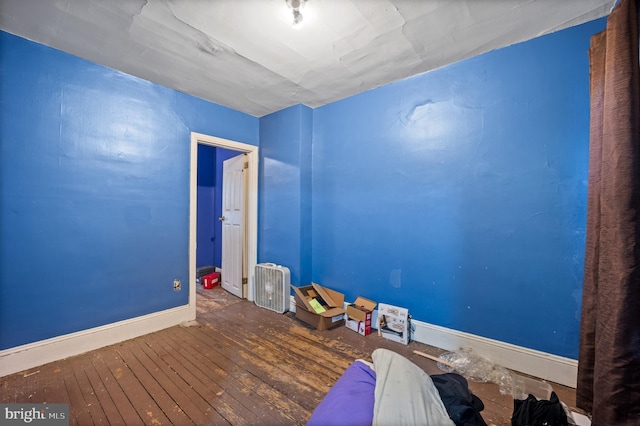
x,y
394,323
360,311
211,280
357,326
309,297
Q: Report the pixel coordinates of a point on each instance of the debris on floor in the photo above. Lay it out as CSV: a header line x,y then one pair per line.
x,y
476,368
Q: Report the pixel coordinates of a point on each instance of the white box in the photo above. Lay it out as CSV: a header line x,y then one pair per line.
x,y
357,326
393,323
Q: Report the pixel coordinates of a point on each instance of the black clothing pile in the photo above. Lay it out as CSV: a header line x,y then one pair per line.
x,y
538,412
462,406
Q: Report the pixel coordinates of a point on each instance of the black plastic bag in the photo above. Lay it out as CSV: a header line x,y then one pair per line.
x,y
534,412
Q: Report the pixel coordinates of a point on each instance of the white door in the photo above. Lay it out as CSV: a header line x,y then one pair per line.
x,y
233,182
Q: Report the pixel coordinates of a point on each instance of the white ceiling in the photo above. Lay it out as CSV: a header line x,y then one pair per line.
x,y
244,54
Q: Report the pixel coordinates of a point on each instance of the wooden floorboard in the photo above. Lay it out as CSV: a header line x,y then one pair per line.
x,y
239,365
154,384
125,408
253,386
229,399
146,410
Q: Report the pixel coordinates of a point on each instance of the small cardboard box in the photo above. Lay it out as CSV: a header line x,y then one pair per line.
x,y
306,297
361,311
211,280
394,323
357,326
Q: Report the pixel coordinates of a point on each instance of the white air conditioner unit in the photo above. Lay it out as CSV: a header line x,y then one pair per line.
x,y
273,287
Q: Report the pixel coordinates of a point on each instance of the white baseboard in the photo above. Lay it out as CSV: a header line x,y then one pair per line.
x,y
543,365
21,358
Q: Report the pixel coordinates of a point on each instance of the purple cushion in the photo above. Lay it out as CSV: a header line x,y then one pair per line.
x,y
350,401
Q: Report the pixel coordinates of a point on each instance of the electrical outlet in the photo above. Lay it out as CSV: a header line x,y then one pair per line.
x,y
176,285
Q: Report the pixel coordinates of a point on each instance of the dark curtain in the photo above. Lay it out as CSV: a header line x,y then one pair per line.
x,y
609,360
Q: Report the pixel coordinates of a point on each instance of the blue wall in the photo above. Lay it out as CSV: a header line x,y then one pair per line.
x,y
284,207
206,216
94,175
461,193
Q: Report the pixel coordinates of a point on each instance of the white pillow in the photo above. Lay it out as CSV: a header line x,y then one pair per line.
x,y
405,394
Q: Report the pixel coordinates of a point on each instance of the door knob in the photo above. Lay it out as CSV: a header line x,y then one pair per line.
x,y
222,219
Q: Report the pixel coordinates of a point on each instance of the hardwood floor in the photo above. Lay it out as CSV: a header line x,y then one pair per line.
x,y
240,364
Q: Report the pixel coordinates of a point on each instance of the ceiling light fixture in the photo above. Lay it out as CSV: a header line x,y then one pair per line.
x,y
296,6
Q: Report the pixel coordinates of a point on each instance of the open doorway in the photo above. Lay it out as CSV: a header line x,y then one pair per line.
x,y
251,204
210,217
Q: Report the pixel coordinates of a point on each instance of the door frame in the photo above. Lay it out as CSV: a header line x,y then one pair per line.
x,y
251,209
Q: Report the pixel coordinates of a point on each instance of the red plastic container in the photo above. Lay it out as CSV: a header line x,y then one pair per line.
x,y
211,280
